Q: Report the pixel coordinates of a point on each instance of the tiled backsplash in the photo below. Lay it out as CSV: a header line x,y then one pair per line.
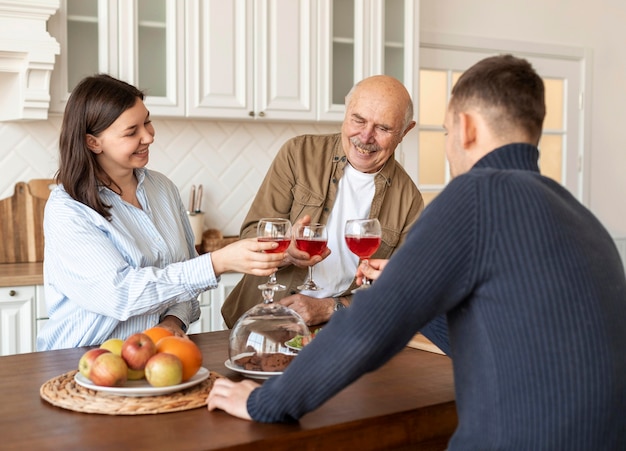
x,y
230,159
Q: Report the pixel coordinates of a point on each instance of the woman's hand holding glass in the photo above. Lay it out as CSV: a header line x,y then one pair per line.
x,y
274,230
247,256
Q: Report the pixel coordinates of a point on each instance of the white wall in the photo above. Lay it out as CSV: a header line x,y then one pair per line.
x,y
599,26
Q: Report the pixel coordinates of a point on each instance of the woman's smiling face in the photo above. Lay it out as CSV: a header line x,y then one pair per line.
x,y
125,144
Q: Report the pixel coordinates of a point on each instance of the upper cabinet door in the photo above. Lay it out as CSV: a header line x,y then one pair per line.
x,y
252,59
151,52
87,33
139,41
360,38
220,58
286,53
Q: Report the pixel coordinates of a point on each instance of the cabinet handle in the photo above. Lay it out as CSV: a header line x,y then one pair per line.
x,y
251,114
12,293
261,114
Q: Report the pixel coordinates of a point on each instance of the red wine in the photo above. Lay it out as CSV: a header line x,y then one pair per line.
x,y
363,247
312,247
283,243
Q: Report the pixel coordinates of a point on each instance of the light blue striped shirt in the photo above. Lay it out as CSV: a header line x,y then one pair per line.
x,y
111,279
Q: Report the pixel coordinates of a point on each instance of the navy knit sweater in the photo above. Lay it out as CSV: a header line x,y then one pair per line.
x,y
535,298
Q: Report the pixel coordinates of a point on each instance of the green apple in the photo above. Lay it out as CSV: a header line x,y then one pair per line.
x,y
114,345
164,370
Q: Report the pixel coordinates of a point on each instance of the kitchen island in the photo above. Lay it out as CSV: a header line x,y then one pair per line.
x,y
406,404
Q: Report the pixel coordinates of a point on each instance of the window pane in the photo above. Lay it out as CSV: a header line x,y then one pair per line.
x,y
432,158
343,50
394,38
152,45
551,156
343,71
455,77
554,104
429,196
433,97
82,40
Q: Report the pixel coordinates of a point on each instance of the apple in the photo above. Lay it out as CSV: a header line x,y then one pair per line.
x,y
135,375
114,345
86,361
164,370
137,350
109,370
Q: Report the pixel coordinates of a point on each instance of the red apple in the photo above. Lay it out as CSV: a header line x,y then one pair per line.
x,y
86,361
163,370
137,350
109,370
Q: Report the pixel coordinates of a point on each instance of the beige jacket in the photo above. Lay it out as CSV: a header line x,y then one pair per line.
x,y
303,179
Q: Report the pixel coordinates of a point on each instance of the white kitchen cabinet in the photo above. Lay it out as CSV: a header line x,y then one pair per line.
x,y
245,59
41,310
252,59
211,302
360,38
140,41
204,323
16,319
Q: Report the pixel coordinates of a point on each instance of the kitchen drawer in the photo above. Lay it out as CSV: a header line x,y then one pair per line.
x,y
11,294
16,319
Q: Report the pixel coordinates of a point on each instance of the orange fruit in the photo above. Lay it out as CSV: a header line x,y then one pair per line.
x,y
156,333
186,350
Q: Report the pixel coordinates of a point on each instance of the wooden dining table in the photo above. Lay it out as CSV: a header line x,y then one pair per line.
x,y
406,404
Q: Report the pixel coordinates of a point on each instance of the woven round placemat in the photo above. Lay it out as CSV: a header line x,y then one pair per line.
x,y
63,391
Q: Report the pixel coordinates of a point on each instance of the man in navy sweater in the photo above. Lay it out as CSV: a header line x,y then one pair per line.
x,y
531,283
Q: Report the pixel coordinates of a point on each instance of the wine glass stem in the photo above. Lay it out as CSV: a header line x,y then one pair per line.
x,y
273,279
310,273
366,281
268,295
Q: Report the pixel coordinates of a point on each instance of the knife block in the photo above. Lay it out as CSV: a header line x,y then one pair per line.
x,y
21,222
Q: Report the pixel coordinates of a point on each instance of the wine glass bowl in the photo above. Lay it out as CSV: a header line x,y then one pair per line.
x,y
277,230
312,239
363,237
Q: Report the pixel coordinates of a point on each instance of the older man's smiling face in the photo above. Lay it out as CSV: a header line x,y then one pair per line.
x,y
374,123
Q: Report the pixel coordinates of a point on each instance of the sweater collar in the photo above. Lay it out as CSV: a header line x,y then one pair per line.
x,y
520,156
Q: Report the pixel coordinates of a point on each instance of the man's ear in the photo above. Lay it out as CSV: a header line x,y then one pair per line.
x,y
93,143
408,129
467,130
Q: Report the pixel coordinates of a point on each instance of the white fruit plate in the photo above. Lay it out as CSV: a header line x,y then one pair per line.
x,y
142,387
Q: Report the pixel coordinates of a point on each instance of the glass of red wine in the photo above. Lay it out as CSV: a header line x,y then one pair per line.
x,y
363,239
312,239
277,230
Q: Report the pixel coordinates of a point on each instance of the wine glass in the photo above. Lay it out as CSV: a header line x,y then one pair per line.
x,y
311,239
363,238
277,230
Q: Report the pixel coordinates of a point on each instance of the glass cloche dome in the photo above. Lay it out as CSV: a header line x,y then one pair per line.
x,y
257,340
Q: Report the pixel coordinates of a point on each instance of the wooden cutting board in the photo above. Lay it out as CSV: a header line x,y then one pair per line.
x,y
21,222
421,342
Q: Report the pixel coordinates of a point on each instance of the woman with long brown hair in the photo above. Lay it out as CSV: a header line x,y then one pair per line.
x,y
119,250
